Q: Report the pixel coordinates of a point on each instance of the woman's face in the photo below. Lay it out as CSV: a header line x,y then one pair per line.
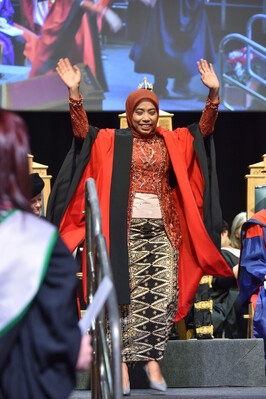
x,y
145,117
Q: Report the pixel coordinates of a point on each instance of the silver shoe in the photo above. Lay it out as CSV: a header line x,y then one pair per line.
x,y
126,391
159,386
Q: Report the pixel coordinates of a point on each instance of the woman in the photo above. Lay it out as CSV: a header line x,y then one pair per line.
x,y
150,188
40,341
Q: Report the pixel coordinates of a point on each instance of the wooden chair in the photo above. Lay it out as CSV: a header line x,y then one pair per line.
x,y
249,316
255,178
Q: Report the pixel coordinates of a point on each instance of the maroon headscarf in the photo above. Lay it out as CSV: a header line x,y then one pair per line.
x,y
134,98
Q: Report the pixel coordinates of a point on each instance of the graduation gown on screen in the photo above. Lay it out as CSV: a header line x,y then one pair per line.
x,y
170,37
69,31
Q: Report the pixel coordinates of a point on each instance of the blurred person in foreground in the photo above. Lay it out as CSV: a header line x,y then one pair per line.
x,y
40,341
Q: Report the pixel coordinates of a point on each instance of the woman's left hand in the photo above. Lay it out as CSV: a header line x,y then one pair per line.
x,y
209,79
208,75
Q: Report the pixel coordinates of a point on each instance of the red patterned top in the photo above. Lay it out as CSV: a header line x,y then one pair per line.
x,y
150,174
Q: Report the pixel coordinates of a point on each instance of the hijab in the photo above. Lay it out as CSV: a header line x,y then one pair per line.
x,y
134,98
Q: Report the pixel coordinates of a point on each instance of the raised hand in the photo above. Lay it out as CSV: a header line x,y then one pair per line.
x,y
209,78
70,75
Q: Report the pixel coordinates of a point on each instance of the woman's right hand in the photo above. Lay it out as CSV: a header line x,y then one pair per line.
x,y
85,353
70,75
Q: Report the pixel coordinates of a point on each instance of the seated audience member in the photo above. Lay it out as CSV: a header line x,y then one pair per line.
x,y
227,316
225,240
41,345
252,272
37,199
6,19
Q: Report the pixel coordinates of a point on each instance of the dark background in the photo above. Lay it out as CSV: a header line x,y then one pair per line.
x,y
240,140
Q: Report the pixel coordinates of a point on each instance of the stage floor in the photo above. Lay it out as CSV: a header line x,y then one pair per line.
x,y
191,393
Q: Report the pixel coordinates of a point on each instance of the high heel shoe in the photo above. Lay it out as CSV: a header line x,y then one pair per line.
x,y
159,386
126,391
126,380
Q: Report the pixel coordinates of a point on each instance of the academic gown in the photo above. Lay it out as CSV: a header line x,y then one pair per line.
x,y
109,164
171,37
252,271
69,31
39,346
7,12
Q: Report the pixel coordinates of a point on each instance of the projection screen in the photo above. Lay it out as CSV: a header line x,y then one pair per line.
x,y
118,45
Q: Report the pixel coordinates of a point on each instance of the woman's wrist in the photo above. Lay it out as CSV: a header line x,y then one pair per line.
x,y
214,95
76,102
74,93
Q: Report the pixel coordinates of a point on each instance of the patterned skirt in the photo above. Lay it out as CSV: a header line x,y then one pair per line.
x,y
146,323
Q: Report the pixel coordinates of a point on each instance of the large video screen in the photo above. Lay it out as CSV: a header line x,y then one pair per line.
x,y
120,44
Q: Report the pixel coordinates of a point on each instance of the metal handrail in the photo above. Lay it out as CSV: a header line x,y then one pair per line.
x,y
106,369
249,33
251,46
224,4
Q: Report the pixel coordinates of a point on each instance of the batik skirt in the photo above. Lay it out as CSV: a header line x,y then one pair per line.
x,y
147,321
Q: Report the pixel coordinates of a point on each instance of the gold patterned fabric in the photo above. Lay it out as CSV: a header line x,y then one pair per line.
x,y
146,323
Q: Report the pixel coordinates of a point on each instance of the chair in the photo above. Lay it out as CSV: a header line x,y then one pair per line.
x,y
249,316
255,179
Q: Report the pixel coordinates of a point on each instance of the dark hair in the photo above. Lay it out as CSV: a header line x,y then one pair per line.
x,y
225,226
15,188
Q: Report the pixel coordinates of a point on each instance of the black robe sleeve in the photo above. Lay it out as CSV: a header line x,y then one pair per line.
x,y
69,176
205,151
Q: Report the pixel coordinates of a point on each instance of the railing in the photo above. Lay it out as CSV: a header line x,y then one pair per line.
x,y
106,371
252,47
223,4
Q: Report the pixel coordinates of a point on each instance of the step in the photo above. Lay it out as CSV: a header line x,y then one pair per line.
x,y
204,363
214,362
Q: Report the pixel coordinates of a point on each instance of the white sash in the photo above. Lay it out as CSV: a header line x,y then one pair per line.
x,y
26,245
234,251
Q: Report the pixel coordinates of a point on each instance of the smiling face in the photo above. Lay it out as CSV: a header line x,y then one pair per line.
x,y
145,117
